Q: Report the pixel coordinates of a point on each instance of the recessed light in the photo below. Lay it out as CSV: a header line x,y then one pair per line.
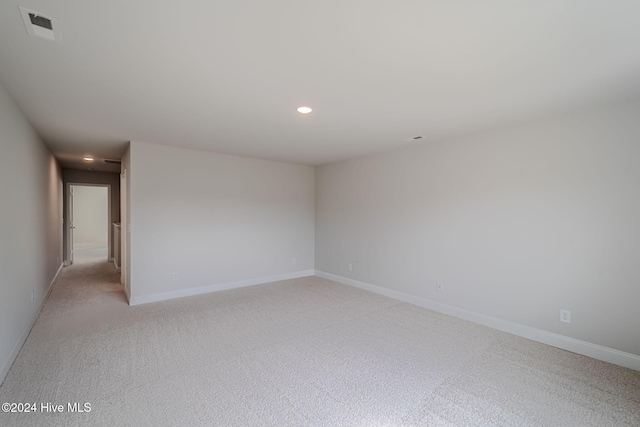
x,y
88,159
304,110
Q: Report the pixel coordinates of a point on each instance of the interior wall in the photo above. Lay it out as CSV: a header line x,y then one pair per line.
x,y
215,218
30,227
125,238
77,176
90,216
516,224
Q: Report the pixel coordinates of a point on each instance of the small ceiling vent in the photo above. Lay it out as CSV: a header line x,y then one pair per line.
x,y
41,21
39,25
111,162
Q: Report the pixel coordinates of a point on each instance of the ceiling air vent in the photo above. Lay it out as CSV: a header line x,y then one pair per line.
x,y
111,162
41,21
39,25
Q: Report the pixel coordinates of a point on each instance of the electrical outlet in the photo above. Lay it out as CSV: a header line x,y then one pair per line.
x,y
440,286
294,261
565,316
350,267
175,276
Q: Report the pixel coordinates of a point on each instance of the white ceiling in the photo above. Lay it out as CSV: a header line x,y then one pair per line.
x,y
227,75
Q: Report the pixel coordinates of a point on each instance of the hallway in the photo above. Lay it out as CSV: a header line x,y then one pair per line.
x,y
59,359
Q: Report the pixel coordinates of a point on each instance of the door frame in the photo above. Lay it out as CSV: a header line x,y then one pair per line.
x,y
68,260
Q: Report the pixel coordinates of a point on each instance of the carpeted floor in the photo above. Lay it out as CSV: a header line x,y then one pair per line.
x,y
91,255
303,352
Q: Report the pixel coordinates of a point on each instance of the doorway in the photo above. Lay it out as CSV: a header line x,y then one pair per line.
x,y
89,220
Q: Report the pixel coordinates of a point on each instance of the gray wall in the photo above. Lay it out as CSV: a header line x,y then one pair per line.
x,y
30,227
215,218
516,224
77,176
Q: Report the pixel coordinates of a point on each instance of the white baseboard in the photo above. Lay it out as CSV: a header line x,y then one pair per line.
x,y
6,366
162,296
584,348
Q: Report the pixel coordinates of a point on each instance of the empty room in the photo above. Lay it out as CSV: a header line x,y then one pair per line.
x,y
342,213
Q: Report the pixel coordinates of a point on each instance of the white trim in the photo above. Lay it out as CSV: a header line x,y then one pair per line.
x,y
162,296
68,208
6,366
113,260
584,348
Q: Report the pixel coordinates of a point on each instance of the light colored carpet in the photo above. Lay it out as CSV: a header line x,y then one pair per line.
x,y
89,255
304,352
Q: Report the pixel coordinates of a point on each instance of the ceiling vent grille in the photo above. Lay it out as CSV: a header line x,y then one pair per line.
x,y
41,21
111,162
39,25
